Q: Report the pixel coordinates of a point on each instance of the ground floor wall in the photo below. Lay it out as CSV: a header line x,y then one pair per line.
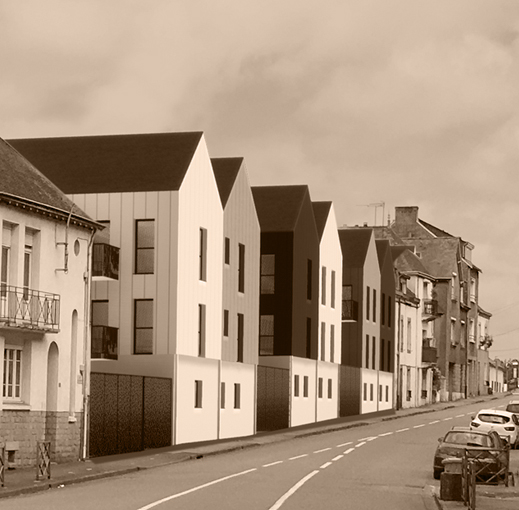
x,y
350,390
369,390
327,391
303,397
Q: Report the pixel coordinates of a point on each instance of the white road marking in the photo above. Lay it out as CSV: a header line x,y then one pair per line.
x,y
323,450
291,491
418,426
402,430
360,444
273,463
371,438
385,434
460,416
349,450
325,465
337,458
299,456
433,422
344,444
447,419
194,489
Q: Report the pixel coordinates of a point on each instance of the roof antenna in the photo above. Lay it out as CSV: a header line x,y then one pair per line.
x,y
376,205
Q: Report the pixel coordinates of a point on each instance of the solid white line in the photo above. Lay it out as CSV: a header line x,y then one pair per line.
x,y
174,496
273,463
433,422
291,491
418,426
349,450
344,444
447,419
325,465
299,456
385,434
360,444
460,416
402,430
337,458
323,450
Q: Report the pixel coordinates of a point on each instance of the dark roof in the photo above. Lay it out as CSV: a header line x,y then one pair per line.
x,y
112,163
321,213
435,230
383,247
387,233
278,207
225,171
19,179
405,260
354,244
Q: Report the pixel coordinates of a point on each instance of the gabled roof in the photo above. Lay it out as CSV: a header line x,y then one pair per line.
x,y
405,260
321,213
21,181
354,244
225,171
387,233
278,207
113,163
434,230
383,247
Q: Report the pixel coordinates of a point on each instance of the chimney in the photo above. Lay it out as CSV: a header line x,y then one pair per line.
x,y
406,215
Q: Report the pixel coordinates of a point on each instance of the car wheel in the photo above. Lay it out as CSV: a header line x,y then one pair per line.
x,y
437,473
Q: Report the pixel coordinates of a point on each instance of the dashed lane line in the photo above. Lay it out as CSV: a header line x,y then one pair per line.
x,y
323,450
385,434
433,422
418,426
291,491
325,465
360,444
349,450
337,458
345,444
273,463
460,416
299,456
402,430
447,419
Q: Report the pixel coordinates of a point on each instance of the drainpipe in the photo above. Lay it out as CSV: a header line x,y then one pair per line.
x,y
397,349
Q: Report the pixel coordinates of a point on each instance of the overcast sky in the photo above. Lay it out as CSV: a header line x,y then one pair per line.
x,y
405,102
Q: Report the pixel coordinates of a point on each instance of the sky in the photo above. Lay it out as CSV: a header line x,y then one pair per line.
x,y
401,102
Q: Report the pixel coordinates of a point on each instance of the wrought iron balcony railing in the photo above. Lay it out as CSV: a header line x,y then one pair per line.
x,y
350,310
104,342
430,307
105,261
21,307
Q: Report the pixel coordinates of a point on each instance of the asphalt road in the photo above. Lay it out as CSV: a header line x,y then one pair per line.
x,y
384,465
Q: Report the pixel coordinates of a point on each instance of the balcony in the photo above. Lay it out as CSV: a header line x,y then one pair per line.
x,y
350,310
430,307
429,351
24,308
105,262
104,342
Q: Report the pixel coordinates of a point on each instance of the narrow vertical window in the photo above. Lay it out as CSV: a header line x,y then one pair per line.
x,y
144,246
323,340
323,285
389,311
241,268
409,337
373,354
371,392
308,279
237,396
198,394
27,264
266,339
389,355
296,386
332,343
382,349
320,388
329,388
143,326
374,305
222,395
227,251
240,337
383,309
367,351
12,389
368,292
308,337
333,290
305,386
268,274
365,391
380,393
202,269
226,323
201,330
387,393
4,263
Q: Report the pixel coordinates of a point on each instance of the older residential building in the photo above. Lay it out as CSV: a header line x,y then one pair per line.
x,y
44,286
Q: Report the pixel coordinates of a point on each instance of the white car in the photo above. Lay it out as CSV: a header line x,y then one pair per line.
x,y
504,423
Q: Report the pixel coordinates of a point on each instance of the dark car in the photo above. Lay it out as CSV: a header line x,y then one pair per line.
x,y
459,438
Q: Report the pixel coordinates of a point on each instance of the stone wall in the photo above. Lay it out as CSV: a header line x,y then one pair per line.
x,y
23,429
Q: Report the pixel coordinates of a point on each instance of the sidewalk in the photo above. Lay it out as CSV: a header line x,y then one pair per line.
x,y
22,481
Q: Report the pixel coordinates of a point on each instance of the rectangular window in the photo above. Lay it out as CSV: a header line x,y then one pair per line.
x,y
144,246
222,395
202,256
198,394
323,285
332,343
473,290
4,271
227,251
380,392
453,331
308,337
99,313
374,352
201,330
401,334
27,264
266,339
371,392
368,292
268,274
329,388
389,311
383,309
389,355
240,337
323,340
241,268
308,279
333,290
237,396
296,386
143,326
305,386
409,337
226,323
382,349
374,305
365,391
367,351
387,393
320,388
12,385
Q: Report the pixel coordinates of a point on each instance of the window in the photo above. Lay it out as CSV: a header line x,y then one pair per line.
x,y
144,246
367,351
409,339
387,393
368,291
222,395
408,383
323,285
332,343
383,309
329,388
198,394
323,340
296,386
241,268
227,251
472,290
371,392
380,392
12,387
389,311
382,349
240,337
226,323
389,355
305,386
333,290
268,274
309,279
27,264
201,330
143,326
237,396
320,388
472,331
266,339
374,305
4,267
202,265
365,391
100,313
453,287
308,337
453,331
401,334
374,352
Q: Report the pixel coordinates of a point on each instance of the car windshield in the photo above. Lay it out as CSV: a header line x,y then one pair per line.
x,y
493,418
512,408
466,438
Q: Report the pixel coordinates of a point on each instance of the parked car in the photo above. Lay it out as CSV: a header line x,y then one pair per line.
x,y
513,407
459,438
505,423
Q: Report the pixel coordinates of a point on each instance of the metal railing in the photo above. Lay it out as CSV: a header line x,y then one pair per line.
x,y
491,465
104,342
28,308
430,307
2,465
468,483
105,261
42,460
